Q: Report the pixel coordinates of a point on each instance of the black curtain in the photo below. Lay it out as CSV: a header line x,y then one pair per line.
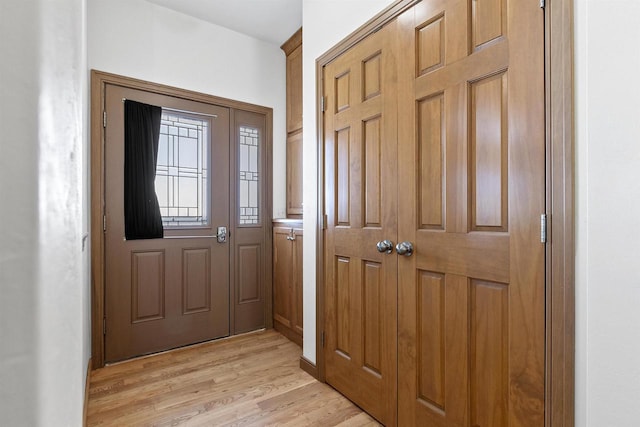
x,y
142,219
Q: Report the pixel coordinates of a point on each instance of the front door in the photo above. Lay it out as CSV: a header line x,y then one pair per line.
x,y
172,291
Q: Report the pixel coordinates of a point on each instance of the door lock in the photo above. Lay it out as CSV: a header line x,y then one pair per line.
x,y
222,234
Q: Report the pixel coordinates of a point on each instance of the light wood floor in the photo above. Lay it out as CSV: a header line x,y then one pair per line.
x,y
250,380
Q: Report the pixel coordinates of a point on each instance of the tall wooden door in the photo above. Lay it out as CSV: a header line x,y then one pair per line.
x,y
471,192
164,293
460,183
360,184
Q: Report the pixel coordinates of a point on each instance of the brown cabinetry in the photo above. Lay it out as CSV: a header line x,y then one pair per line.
x,y
293,49
294,86
287,279
294,174
287,233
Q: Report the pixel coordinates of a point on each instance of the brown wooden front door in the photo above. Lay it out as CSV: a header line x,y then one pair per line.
x,y
169,292
361,189
467,306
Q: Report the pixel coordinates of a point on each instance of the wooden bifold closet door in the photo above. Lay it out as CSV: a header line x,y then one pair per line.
x,y
434,139
361,190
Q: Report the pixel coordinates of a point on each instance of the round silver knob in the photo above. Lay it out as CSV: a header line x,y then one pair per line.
x,y
404,248
385,246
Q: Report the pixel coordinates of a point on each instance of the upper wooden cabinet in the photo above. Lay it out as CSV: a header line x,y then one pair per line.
x,y
294,174
293,49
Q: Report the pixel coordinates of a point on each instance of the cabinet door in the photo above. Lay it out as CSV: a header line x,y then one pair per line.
x,y
294,174
297,281
282,283
294,90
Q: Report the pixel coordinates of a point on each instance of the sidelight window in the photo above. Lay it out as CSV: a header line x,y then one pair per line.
x,y
249,177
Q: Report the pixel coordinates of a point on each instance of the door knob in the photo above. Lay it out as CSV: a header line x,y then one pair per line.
x,y
404,248
385,246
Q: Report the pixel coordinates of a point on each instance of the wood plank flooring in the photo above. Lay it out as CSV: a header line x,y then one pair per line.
x,y
250,380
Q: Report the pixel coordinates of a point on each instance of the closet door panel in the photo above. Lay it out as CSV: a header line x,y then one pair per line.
x,y
471,190
360,187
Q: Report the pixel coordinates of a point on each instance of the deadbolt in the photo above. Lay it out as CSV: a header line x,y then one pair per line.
x,y
222,234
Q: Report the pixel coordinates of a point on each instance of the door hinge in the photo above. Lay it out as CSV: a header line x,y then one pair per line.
x,y
104,223
322,104
322,339
104,326
324,221
104,119
542,3
543,228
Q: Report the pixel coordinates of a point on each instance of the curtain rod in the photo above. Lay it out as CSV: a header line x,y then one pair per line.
x,y
175,110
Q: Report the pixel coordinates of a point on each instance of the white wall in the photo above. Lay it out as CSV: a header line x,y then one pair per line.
x,y
43,342
139,39
608,210
118,43
325,23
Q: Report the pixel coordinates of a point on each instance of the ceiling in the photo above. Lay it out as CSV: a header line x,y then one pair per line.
x,y
273,21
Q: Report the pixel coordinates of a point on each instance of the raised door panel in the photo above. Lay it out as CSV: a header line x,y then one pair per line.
x,y
488,21
343,141
431,338
345,293
431,139
196,280
372,312
489,353
430,45
372,164
250,287
147,286
488,153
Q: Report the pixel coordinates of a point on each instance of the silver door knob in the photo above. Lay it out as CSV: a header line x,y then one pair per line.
x,y
404,248
385,246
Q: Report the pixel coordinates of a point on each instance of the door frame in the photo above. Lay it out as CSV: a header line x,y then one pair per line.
x,y
99,80
560,249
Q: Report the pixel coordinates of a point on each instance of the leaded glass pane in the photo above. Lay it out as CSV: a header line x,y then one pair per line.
x,y
248,156
182,183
